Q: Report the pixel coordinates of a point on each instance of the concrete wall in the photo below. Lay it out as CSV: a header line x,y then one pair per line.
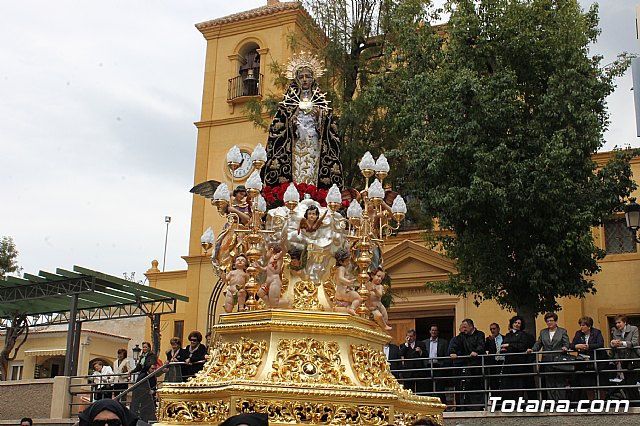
x,y
26,398
38,399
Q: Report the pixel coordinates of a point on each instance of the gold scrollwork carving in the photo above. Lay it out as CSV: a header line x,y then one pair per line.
x,y
193,411
305,296
232,360
318,413
329,289
308,361
372,368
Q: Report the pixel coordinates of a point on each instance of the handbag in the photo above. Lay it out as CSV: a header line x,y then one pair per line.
x,y
564,363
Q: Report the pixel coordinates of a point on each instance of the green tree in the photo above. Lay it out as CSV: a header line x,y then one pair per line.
x,y
353,35
498,129
18,328
8,257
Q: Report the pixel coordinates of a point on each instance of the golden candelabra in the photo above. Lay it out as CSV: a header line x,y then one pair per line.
x,y
304,363
369,226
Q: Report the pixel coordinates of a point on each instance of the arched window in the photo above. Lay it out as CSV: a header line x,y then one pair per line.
x,y
248,80
250,73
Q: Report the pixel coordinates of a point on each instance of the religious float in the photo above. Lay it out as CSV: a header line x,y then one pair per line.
x,y
304,328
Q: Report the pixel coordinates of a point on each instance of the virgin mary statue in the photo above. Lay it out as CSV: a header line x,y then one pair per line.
x,y
303,144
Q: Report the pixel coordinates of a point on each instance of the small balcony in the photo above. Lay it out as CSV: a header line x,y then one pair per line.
x,y
242,87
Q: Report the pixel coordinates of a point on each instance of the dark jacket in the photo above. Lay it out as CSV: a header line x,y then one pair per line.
x,y
490,345
182,355
196,358
178,372
410,355
442,351
394,359
144,363
467,343
455,347
518,341
596,341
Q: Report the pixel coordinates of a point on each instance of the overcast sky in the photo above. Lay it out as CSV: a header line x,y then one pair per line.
x,y
97,142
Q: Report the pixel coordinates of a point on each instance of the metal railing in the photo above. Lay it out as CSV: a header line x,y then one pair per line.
x,y
138,395
467,383
464,383
241,86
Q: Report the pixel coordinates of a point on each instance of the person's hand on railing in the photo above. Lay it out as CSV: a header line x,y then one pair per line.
x,y
582,347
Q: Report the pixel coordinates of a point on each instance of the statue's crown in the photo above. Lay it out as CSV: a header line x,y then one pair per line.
x,y
304,60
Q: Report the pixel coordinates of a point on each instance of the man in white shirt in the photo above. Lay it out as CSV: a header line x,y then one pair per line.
x,y
437,349
102,379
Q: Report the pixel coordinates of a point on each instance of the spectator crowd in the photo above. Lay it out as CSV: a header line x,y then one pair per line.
x,y
516,364
179,364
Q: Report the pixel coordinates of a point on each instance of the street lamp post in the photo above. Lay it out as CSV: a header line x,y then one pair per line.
x,y
136,353
632,216
167,220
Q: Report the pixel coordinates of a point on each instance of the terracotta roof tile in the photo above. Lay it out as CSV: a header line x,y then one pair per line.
x,y
253,13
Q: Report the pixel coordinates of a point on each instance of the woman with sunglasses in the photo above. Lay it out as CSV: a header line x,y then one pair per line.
x,y
196,356
107,412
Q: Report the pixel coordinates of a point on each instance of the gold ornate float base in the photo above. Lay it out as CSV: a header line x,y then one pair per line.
x,y
299,367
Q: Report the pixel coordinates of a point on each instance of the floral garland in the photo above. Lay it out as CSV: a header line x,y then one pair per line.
x,y
274,195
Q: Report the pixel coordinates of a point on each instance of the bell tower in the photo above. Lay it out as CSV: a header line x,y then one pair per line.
x,y
239,49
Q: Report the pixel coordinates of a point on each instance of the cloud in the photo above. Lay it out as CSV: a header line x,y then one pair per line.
x,y
97,142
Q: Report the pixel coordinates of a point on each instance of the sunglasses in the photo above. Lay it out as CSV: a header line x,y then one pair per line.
x,y
110,422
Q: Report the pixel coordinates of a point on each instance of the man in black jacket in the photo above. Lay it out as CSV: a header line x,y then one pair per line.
x,y
470,342
392,353
412,352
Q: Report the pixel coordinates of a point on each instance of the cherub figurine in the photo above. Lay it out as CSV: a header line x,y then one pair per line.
x,y
374,302
346,296
270,290
236,280
240,205
310,221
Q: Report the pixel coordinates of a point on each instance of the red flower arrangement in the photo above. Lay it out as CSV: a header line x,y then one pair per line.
x,y
274,195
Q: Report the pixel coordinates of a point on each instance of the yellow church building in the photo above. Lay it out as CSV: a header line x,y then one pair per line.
x,y
239,49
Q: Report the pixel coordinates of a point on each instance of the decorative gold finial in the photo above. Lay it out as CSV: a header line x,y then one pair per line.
x,y
304,60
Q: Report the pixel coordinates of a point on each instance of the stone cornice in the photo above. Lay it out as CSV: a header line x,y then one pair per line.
x,y
254,20
409,249
250,14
